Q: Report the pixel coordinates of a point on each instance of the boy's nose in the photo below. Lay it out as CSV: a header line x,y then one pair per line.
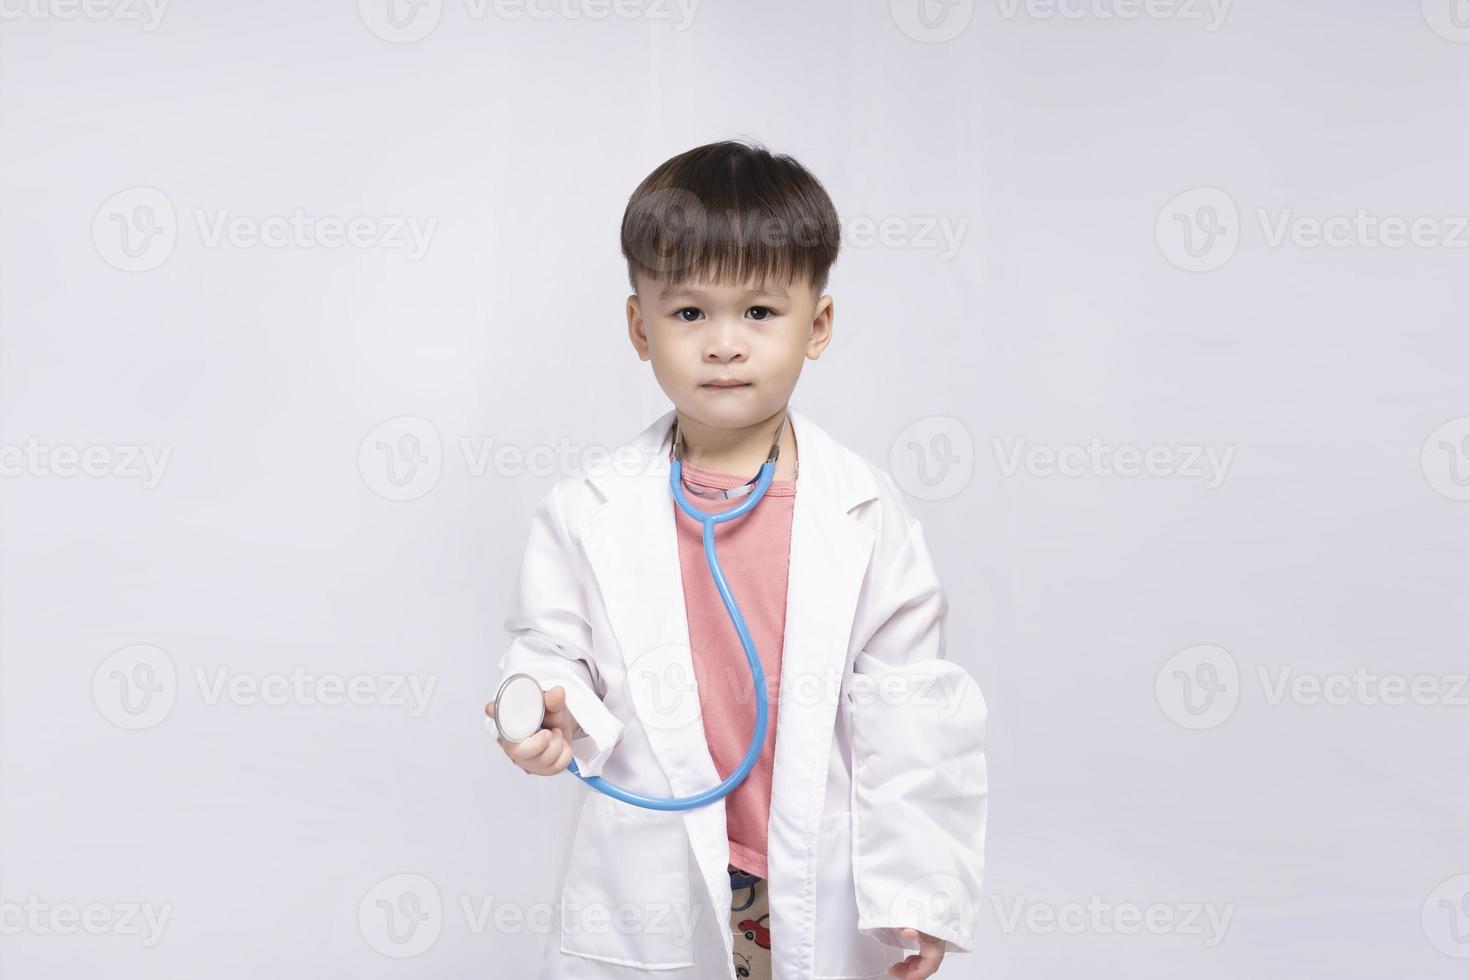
x,y
724,352
725,356
724,344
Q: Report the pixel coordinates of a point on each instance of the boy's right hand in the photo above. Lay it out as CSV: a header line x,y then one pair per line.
x,y
549,751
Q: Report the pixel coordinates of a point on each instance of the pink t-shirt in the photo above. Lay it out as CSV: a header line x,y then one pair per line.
x,y
755,554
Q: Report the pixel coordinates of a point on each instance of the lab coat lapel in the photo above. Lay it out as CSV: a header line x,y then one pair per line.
x,y
631,544
829,558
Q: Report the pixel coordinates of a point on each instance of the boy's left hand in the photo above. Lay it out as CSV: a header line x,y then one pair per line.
x,y
925,962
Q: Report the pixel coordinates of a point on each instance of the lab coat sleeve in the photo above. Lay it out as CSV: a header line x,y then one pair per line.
x,y
919,777
550,636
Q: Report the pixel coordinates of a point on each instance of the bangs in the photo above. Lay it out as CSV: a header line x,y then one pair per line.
x,y
730,214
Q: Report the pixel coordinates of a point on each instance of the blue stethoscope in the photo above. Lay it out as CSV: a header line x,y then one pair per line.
x,y
521,693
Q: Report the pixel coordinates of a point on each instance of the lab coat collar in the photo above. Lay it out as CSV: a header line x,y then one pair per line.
x,y
632,547
828,472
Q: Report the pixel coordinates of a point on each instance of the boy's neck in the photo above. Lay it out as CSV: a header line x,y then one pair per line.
x,y
739,451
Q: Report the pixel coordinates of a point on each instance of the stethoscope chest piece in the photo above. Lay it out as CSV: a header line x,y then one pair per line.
x,y
519,707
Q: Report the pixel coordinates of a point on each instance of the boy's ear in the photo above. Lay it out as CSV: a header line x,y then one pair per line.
x,y
637,332
821,334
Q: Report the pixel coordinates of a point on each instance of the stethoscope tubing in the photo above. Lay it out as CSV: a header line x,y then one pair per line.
x,y
752,657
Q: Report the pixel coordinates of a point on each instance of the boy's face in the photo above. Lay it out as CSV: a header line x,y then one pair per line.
x,y
702,333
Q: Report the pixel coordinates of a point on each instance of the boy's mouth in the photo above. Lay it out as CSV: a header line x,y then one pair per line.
x,y
726,383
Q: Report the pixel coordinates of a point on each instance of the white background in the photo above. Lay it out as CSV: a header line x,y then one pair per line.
x,y
1332,834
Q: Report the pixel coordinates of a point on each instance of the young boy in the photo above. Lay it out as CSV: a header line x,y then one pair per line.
x,y
861,827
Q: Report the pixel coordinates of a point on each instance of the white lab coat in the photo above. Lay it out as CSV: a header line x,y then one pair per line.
x,y
878,801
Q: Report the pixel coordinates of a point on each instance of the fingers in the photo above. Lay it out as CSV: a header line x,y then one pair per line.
x,y
544,754
557,714
563,759
912,967
925,963
562,721
549,751
525,752
545,764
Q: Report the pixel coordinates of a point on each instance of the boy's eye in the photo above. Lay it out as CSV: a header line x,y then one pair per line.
x,y
688,314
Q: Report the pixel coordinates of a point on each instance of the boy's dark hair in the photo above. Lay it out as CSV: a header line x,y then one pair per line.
x,y
730,212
